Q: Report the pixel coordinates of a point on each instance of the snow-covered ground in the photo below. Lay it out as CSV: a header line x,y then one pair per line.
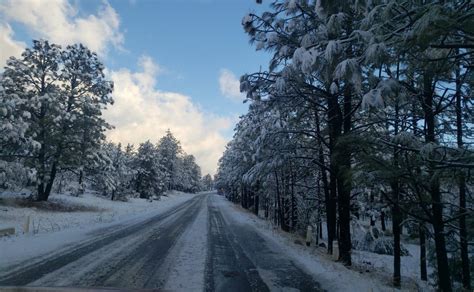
x,y
96,210
381,267
331,275
188,252
51,230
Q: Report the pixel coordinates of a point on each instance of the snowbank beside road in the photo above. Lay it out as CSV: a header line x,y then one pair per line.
x,y
65,228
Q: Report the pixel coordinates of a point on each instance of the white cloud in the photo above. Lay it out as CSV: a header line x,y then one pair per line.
x,y
142,112
230,85
59,22
9,47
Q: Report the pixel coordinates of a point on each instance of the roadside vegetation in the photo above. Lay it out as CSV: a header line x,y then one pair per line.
x,y
361,125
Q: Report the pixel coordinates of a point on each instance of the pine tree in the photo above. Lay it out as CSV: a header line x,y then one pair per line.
x,y
207,182
59,90
150,174
170,149
350,89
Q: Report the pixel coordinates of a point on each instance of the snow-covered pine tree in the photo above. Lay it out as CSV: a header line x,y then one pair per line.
x,y
191,174
59,90
361,79
150,174
207,182
170,149
14,145
110,171
86,92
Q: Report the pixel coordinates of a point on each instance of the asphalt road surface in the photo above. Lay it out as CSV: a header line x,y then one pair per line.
x,y
141,255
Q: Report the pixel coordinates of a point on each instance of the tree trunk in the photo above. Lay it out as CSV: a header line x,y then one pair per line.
x,y
280,213
344,240
256,203
317,233
81,180
243,196
372,220
42,169
466,275
328,199
444,277
267,207
382,220
42,152
56,158
335,127
293,203
45,190
423,271
277,201
344,185
396,212
396,222
285,226
52,176
41,196
275,213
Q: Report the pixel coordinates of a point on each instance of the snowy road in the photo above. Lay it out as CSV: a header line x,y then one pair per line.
x,y
194,246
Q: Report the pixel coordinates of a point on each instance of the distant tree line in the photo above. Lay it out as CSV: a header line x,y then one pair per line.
x,y
146,172
52,134
365,111
208,182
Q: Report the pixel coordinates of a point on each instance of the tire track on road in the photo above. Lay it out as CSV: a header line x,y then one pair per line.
x,y
227,267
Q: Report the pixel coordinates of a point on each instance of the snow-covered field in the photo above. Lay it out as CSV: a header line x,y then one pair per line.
x,y
96,210
334,276
51,230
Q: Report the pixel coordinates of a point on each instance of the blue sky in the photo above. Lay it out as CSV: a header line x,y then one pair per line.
x,y
175,63
193,40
